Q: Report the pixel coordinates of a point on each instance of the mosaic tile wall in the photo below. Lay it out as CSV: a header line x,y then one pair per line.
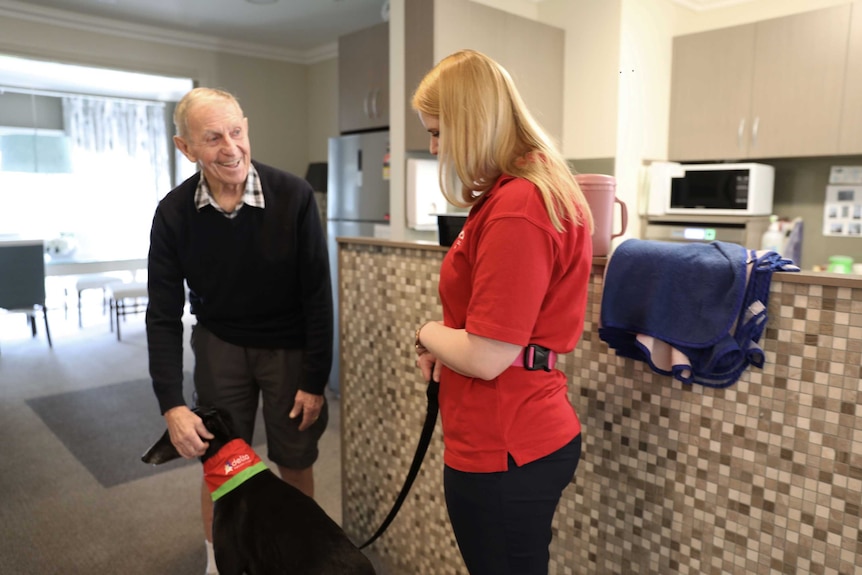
x,y
763,477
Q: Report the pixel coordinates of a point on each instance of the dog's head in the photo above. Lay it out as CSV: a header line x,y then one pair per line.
x,y
215,420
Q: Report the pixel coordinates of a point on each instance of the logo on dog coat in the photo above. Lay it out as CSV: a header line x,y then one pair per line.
x,y
237,463
231,466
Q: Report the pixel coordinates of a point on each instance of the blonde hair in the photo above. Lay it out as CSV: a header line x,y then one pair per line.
x,y
486,131
194,97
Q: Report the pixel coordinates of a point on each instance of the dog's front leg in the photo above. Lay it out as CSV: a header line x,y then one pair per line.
x,y
230,560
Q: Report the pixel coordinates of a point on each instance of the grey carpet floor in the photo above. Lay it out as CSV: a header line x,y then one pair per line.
x,y
58,516
106,429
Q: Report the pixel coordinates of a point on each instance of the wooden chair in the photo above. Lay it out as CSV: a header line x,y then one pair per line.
x,y
22,281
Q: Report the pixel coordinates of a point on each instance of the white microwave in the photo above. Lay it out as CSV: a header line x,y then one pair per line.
x,y
741,189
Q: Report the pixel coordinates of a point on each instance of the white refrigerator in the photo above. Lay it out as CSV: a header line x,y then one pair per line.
x,y
357,204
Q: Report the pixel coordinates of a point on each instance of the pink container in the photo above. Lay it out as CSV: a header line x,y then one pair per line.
x,y
600,191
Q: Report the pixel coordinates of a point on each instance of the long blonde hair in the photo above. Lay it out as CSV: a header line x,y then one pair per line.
x,y
486,131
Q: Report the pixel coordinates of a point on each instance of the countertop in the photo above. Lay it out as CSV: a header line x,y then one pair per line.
x,y
802,277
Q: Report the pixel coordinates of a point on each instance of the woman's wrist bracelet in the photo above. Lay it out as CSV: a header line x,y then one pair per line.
x,y
420,349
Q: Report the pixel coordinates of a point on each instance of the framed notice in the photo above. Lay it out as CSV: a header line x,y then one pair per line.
x,y
842,211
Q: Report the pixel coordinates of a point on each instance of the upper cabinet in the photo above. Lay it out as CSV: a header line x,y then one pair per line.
x,y
711,94
770,89
363,79
435,29
851,124
798,84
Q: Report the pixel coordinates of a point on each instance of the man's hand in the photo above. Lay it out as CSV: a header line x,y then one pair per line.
x,y
187,431
308,405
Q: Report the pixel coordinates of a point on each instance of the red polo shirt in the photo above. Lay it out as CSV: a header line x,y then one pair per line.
x,y
512,277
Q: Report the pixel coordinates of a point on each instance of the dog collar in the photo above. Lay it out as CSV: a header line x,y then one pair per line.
x,y
232,465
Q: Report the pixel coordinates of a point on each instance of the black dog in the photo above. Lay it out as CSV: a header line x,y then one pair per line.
x,y
262,525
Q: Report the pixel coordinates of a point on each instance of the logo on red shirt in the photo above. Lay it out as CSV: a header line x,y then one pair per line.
x,y
459,240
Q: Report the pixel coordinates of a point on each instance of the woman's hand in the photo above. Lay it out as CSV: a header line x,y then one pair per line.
x,y
429,366
426,361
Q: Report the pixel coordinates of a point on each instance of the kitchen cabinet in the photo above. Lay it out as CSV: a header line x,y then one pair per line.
x,y
363,79
769,89
851,121
711,94
435,29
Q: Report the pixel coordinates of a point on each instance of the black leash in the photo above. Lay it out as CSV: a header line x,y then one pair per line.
x,y
421,448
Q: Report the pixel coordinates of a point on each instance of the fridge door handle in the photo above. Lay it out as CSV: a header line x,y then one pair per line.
x,y
359,160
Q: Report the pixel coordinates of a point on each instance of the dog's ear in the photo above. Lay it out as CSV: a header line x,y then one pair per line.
x,y
218,422
221,426
161,451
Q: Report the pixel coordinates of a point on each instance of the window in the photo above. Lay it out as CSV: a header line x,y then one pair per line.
x,y
85,154
36,151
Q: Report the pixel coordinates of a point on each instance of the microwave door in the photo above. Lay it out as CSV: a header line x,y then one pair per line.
x,y
716,190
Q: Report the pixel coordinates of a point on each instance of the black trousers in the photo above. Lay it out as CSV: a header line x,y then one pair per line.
x,y
502,521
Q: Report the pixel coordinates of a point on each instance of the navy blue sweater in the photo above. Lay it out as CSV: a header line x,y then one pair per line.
x,y
258,280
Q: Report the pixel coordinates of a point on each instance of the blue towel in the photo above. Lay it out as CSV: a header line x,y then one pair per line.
x,y
684,294
707,300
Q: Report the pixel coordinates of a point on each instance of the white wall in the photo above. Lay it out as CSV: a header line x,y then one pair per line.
x,y
322,105
397,136
592,60
644,97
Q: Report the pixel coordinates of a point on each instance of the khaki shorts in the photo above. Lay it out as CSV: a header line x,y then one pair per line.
x,y
234,378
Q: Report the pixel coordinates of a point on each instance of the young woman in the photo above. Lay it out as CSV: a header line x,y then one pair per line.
x,y
514,292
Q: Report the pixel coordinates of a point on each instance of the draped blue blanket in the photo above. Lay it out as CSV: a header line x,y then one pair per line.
x,y
706,300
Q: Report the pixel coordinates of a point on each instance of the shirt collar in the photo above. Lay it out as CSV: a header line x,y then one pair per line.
x,y
253,195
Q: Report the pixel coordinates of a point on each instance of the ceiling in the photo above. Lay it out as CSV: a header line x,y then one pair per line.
x,y
288,29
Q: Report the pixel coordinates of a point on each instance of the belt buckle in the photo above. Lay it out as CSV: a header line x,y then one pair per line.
x,y
536,357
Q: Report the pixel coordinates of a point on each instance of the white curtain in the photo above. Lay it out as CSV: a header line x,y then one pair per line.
x,y
127,127
121,169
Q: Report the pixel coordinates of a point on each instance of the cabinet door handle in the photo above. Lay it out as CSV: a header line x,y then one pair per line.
x,y
365,104
754,129
740,133
374,103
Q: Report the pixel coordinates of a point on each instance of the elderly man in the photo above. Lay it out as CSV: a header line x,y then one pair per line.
x,y
248,241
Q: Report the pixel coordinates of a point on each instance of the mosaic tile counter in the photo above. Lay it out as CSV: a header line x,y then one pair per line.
x,y
763,477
